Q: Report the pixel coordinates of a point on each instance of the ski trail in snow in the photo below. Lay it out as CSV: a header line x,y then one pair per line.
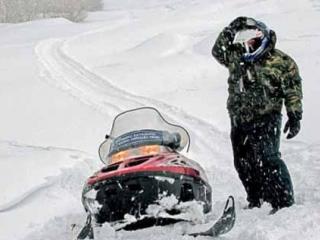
x,y
98,92
46,185
25,197
47,182
43,148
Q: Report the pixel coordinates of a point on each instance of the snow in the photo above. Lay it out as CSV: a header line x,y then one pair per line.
x,y
191,211
62,83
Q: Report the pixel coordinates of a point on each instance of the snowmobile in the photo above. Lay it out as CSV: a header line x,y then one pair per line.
x,y
143,164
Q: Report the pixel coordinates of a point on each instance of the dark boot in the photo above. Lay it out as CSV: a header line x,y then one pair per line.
x,y
252,205
278,185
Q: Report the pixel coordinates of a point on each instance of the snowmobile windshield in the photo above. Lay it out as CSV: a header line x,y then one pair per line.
x,y
142,127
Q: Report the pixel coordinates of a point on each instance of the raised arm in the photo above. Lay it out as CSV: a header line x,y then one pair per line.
x,y
222,48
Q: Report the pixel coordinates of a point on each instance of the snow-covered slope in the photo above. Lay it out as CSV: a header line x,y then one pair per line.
x,y
62,83
39,184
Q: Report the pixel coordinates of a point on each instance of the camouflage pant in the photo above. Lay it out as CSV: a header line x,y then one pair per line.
x,y
258,163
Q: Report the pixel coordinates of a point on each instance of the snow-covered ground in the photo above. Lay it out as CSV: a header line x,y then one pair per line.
x,y
62,83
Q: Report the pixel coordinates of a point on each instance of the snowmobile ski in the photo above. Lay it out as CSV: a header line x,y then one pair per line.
x,y
225,222
223,225
87,230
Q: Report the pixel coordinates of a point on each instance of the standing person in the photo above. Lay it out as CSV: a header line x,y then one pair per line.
x,y
261,79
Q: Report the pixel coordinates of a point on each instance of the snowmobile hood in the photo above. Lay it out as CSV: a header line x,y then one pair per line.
x,y
164,163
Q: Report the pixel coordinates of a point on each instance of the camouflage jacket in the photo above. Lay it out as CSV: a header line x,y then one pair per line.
x,y
259,88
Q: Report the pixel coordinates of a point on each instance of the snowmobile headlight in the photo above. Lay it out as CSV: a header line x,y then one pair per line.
x,y
149,150
120,156
140,151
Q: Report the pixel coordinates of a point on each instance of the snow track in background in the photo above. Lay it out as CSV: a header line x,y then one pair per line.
x,y
24,197
98,92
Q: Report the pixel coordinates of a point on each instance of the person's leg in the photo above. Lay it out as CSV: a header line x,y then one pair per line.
x,y
277,186
243,154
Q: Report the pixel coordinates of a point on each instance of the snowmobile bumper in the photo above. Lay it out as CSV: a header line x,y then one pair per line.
x,y
133,193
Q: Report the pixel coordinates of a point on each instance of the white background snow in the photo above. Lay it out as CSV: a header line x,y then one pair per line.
x,y
62,83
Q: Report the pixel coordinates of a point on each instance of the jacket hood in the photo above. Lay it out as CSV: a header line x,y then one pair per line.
x,y
272,43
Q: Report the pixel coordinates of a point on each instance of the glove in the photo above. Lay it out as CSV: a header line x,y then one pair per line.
x,y
238,24
293,125
229,34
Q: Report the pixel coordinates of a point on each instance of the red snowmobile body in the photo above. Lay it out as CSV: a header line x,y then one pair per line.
x,y
143,170
132,185
144,165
